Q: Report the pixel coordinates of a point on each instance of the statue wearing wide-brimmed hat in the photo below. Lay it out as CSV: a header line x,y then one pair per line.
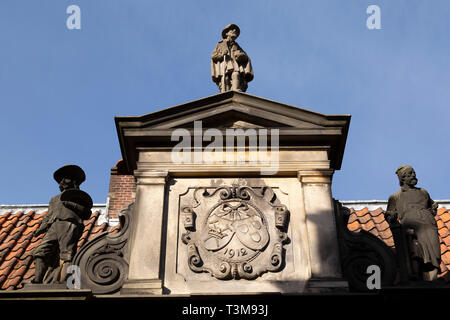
x,y
231,68
63,225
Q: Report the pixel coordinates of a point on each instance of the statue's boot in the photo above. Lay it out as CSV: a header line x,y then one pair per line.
x,y
63,271
40,269
430,275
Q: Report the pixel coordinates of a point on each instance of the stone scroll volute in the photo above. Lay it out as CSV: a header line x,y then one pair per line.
x,y
234,232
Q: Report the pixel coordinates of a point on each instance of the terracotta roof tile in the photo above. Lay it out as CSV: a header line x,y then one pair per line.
x,y
12,239
374,231
378,218
7,263
383,225
12,220
19,270
446,241
5,231
17,243
446,258
3,246
447,225
443,232
26,261
29,273
364,218
441,210
93,217
445,216
12,283
4,217
22,244
37,218
17,232
390,242
386,234
377,212
374,222
7,271
369,224
352,216
4,252
33,245
30,229
14,254
362,212
98,229
355,225
89,224
113,229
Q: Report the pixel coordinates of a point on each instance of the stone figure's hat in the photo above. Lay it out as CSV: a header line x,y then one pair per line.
x,y
71,171
228,27
79,197
401,170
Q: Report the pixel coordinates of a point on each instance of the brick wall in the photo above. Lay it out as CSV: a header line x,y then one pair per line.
x,y
122,189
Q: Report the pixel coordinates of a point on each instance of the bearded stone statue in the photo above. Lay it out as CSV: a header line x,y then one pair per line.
x,y
413,208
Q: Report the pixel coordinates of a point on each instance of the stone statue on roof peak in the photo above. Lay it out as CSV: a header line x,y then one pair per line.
x,y
231,68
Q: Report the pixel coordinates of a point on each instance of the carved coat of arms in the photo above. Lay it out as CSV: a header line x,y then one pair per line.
x,y
235,232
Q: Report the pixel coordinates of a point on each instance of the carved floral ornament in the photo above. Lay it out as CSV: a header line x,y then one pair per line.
x,y
235,232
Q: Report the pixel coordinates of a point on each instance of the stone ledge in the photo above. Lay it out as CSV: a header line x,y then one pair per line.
x,y
327,285
48,294
142,287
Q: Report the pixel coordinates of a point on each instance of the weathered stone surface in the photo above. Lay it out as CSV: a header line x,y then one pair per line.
x,y
320,220
414,210
231,68
62,225
43,286
224,226
104,260
249,267
238,233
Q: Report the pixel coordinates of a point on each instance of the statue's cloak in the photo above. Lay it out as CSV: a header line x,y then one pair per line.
x,y
230,64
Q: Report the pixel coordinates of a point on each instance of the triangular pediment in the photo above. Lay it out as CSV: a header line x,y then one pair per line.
x,y
242,119
232,109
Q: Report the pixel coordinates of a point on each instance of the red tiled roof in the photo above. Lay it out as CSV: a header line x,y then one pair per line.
x,y
17,244
374,222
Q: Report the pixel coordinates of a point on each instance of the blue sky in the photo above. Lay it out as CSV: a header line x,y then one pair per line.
x,y
60,89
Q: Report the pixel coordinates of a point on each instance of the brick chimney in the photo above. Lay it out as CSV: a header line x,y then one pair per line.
x,y
122,189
